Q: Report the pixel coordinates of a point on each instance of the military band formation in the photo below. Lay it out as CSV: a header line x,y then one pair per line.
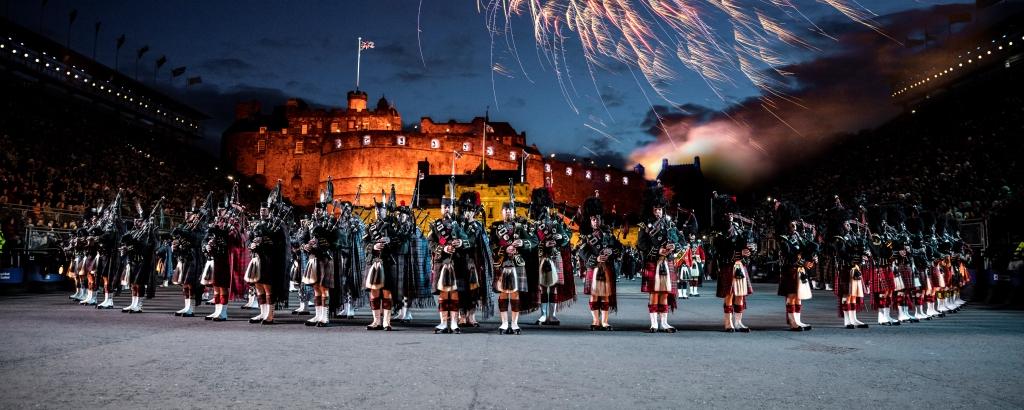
x,y
907,264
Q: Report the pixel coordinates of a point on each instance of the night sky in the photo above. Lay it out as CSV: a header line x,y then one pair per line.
x,y
274,50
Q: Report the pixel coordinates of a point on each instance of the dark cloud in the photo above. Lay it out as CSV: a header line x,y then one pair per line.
x,y
226,66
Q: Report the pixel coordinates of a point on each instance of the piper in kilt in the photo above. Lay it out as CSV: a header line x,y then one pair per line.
x,y
658,242
349,263
851,252
413,264
882,274
266,266
319,270
695,258
735,247
510,237
597,253
299,236
139,246
549,261
448,248
798,254
382,241
479,262
216,274
185,245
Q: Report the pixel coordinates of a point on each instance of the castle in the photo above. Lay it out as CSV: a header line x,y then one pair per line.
x,y
366,151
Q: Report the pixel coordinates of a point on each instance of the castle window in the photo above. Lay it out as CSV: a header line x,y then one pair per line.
x,y
297,169
305,129
467,146
588,175
568,171
366,125
435,144
547,167
335,127
387,125
490,151
309,193
284,131
260,166
261,146
337,143
263,130
511,155
300,146
625,180
607,178
366,140
401,140
351,125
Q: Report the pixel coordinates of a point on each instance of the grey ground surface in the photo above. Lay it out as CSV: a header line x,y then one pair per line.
x,y
54,354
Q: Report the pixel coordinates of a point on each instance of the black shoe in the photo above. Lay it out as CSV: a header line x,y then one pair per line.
x,y
517,331
942,314
386,328
796,329
254,321
608,328
851,327
696,296
729,330
188,315
175,313
218,319
321,324
915,320
895,323
446,330
553,322
806,328
670,330
266,322
594,327
862,326
743,330
508,331
207,318
539,323
457,331
652,330
502,331
308,323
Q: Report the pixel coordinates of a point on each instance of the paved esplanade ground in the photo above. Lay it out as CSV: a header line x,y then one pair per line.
x,y
58,355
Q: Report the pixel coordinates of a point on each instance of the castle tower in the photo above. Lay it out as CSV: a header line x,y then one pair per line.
x,y
357,100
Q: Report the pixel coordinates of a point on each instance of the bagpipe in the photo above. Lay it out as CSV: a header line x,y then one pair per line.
x,y
377,234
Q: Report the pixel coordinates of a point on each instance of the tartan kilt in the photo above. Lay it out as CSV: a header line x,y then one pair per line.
x,y
604,276
904,274
319,271
938,277
510,277
727,282
789,281
550,270
846,286
884,280
451,278
962,276
668,282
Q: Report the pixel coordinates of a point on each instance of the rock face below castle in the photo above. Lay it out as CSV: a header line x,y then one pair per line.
x,y
367,151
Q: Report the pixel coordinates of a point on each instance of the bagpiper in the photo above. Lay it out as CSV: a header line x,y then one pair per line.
x,y
319,271
382,242
549,262
478,262
265,270
658,242
511,238
798,254
598,252
139,246
216,271
448,246
349,261
736,245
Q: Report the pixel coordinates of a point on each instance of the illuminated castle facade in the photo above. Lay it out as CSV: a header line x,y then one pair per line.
x,y
365,150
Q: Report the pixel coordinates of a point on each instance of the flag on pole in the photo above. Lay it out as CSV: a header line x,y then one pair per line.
x,y
120,41
98,25
161,61
363,45
143,50
194,80
178,71
457,154
72,16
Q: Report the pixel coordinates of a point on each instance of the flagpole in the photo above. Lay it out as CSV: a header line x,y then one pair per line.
x,y
359,57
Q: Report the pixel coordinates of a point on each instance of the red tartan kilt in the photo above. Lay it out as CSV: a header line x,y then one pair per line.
x,y
647,283
937,276
884,280
907,276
